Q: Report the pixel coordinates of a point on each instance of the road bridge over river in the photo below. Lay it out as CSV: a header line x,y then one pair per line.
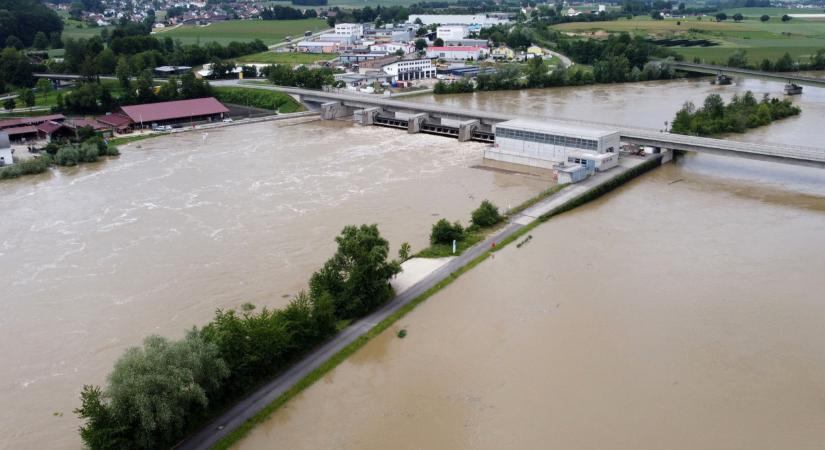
x,y
785,77
478,125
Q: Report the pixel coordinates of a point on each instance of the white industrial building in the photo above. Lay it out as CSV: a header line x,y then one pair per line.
x,y
392,47
452,32
548,144
350,29
410,69
457,53
6,157
477,20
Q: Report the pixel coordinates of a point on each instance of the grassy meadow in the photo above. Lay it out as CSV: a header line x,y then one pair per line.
x,y
799,37
269,31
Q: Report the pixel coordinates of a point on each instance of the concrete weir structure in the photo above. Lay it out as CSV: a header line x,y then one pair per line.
x,y
480,125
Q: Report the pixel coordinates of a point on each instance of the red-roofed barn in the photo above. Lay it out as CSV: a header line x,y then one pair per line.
x,y
181,111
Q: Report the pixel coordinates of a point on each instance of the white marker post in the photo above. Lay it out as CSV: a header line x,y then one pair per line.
x,y
453,246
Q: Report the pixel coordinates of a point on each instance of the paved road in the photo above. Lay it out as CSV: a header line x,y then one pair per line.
x,y
248,407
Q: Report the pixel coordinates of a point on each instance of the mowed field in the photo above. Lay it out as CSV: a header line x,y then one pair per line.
x,y
801,38
269,31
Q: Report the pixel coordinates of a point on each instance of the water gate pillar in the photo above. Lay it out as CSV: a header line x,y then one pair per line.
x,y
465,130
415,121
366,116
332,110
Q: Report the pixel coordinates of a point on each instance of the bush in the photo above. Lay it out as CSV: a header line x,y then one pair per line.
x,y
444,232
67,156
486,215
27,167
258,98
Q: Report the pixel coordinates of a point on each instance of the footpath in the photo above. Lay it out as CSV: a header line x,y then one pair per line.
x,y
245,409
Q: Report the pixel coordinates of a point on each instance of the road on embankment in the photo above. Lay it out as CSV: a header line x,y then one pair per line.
x,y
257,401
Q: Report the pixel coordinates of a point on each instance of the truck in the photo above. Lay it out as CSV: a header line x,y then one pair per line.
x,y
307,33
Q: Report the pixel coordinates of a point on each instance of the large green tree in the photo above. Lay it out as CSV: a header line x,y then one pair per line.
x,y
357,276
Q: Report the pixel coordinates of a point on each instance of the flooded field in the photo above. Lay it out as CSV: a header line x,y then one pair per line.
x,y
682,311
97,257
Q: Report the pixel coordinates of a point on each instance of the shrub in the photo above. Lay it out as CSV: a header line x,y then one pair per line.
x,y
27,167
486,215
67,156
444,232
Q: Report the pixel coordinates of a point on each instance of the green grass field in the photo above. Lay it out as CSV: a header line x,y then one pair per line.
x,y
71,30
773,12
801,38
292,58
269,31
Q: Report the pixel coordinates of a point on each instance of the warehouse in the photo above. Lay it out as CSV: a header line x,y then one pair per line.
x,y
206,109
546,144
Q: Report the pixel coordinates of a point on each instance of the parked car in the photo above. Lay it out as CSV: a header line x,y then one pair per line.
x,y
227,120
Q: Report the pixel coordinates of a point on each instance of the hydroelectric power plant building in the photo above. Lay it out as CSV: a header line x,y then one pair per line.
x,y
552,145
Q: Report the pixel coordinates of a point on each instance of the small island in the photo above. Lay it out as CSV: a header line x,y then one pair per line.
x,y
742,113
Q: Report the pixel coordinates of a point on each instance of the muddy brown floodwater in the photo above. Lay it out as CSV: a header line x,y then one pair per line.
x,y
682,311
97,257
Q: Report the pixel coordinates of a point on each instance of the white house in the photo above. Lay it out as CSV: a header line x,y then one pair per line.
x,y
452,32
457,53
5,150
350,29
410,69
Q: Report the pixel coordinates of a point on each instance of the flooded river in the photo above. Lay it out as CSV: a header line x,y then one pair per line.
x,y
97,257
682,311
697,308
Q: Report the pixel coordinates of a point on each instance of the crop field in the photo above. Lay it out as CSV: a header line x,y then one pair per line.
x,y
801,38
269,31
293,58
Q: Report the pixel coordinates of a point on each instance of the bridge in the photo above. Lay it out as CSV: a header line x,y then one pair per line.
x,y
784,77
477,125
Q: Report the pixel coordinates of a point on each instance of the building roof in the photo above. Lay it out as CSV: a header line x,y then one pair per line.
x,y
29,120
458,48
179,109
49,127
114,120
546,126
25,129
80,123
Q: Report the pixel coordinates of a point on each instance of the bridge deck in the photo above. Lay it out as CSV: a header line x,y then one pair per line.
x,y
773,76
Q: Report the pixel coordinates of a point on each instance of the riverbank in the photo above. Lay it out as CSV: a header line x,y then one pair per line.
x,y
238,421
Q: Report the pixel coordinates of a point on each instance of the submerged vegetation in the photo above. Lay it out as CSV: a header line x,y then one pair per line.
x,y
159,392
66,153
743,112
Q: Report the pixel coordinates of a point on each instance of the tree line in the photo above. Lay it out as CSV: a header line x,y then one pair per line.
x,y
303,77
785,63
278,12
715,117
22,20
159,392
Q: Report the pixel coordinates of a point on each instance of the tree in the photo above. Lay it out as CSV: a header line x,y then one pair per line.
x,y
656,15
55,40
44,86
153,392
9,104
41,42
438,42
404,251
420,44
145,87
738,17
27,96
123,71
486,215
786,17
765,18
721,17
444,232
357,276
739,58
15,43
